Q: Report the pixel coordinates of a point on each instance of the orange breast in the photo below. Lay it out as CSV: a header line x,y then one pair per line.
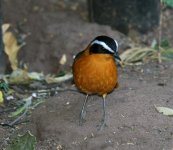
x,y
95,74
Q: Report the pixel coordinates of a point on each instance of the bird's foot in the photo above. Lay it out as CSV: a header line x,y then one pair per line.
x,y
102,125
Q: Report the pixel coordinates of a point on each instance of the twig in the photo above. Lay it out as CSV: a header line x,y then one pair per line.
x,y
48,90
19,118
160,32
16,120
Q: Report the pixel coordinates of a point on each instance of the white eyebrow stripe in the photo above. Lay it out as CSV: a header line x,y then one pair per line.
x,y
102,44
116,44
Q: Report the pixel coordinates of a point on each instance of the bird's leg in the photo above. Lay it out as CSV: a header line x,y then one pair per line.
x,y
83,111
103,121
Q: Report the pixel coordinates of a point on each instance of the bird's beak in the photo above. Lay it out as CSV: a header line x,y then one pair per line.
x,y
116,55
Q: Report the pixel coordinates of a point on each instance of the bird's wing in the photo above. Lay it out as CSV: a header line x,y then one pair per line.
x,y
79,54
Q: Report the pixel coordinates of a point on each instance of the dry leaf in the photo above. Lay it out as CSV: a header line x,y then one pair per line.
x,y
11,48
133,55
5,27
50,79
1,98
165,111
19,76
36,76
63,59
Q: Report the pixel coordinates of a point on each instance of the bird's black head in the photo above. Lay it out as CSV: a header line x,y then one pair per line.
x,y
104,45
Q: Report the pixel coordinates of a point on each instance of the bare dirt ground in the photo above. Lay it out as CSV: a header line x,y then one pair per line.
x,y
133,122
58,28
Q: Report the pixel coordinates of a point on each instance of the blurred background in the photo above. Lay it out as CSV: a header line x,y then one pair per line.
x,y
51,29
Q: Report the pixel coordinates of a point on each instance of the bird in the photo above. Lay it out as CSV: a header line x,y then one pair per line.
x,y
95,72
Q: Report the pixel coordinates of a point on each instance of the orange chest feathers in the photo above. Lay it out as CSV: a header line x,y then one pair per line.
x,y
95,74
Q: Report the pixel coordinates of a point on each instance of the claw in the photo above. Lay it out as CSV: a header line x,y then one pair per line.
x,y
102,125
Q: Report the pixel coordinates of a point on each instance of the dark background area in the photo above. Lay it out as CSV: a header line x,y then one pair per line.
x,y
142,15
